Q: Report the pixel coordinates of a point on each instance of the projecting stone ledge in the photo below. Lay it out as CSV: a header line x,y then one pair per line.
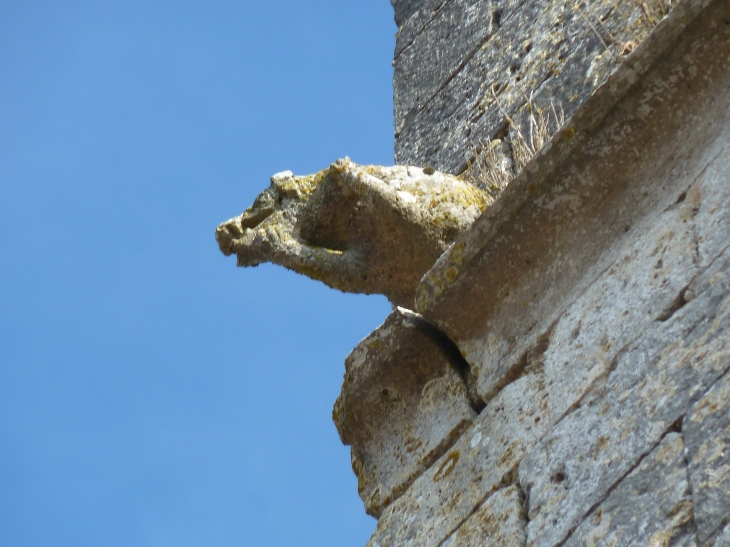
x,y
403,404
361,229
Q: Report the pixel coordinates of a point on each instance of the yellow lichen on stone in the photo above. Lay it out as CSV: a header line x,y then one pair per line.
x,y
447,466
367,229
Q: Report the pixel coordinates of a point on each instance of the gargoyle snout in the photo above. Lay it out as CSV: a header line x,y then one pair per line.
x,y
226,233
234,229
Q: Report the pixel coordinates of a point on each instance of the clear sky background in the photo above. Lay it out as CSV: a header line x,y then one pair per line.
x,y
151,393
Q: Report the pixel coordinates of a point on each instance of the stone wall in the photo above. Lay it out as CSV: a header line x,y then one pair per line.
x,y
465,69
565,376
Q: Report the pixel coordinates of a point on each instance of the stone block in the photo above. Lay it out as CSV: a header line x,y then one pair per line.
x,y
499,522
483,461
402,405
556,53
547,51
652,384
404,10
433,56
646,283
652,506
415,22
706,431
711,196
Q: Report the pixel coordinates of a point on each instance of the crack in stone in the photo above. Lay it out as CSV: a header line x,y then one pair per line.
x,y
671,429
455,357
692,524
484,500
531,359
721,526
613,487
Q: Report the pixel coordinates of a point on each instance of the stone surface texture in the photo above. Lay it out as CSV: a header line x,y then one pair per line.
x,y
511,55
362,229
482,461
500,521
402,403
707,432
651,506
650,385
591,301
422,67
587,197
723,540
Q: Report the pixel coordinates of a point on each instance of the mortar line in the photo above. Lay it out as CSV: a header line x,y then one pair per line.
x,y
479,504
693,522
614,486
643,456
419,107
435,14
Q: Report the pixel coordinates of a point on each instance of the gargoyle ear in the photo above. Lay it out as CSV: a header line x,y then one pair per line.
x,y
282,175
286,184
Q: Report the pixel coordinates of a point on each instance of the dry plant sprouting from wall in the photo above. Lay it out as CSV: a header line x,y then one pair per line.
x,y
492,167
540,127
496,162
653,11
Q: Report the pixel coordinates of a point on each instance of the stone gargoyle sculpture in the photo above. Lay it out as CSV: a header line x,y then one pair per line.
x,y
361,229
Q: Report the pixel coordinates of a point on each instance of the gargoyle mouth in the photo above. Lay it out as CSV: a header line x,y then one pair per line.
x,y
263,207
224,237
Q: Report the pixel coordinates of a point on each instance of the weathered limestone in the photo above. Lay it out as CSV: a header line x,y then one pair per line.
x,y
652,506
364,229
405,8
723,540
707,435
712,223
596,187
500,521
403,403
521,54
413,23
656,269
483,461
592,303
421,68
653,384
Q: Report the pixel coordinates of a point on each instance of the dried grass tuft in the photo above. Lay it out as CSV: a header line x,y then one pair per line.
x,y
653,11
541,127
497,162
492,167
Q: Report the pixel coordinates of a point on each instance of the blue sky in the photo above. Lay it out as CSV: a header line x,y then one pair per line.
x,y
151,393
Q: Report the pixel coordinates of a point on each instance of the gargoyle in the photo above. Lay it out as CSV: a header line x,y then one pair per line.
x,y
361,229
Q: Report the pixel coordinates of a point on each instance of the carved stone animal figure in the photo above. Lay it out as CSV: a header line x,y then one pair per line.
x,y
361,229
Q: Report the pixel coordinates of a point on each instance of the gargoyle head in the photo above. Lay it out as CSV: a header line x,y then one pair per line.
x,y
363,229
